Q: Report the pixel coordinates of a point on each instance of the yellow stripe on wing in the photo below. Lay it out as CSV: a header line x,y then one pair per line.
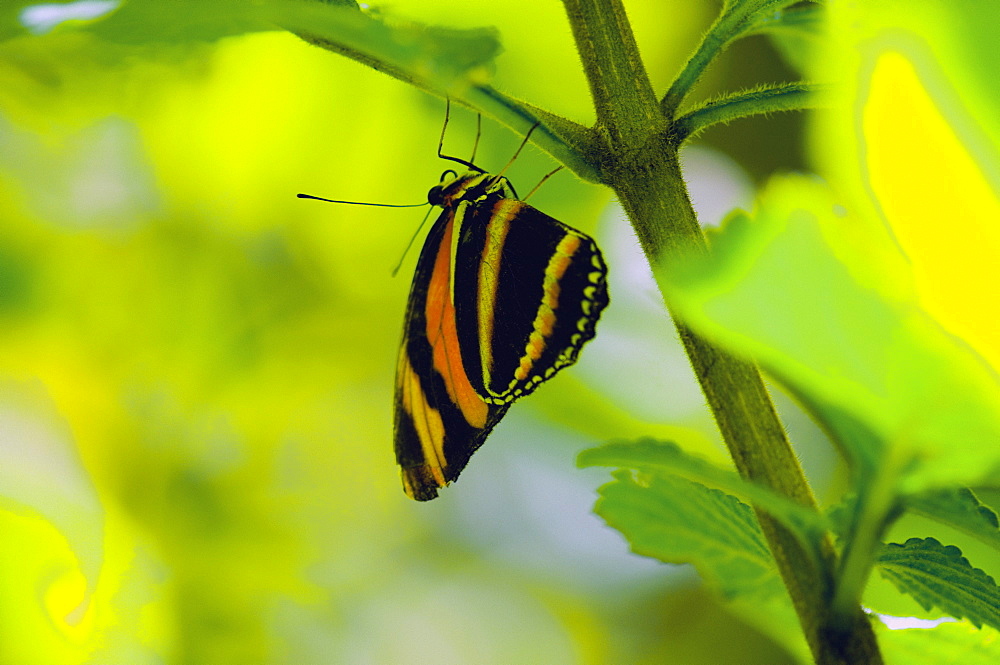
x,y
502,214
546,316
426,421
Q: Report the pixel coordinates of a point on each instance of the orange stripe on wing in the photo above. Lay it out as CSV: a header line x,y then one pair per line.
x,y
442,334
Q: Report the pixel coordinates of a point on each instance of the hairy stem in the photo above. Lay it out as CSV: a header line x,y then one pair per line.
x,y
786,97
623,96
738,17
751,430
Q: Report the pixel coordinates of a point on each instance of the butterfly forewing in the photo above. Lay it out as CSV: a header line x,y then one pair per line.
x,y
440,418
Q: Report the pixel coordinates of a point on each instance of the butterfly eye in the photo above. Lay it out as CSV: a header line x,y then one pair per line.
x,y
436,195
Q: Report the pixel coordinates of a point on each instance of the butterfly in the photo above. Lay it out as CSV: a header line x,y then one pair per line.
x,y
503,297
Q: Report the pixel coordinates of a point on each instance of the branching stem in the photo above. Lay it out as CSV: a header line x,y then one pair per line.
x,y
738,17
786,97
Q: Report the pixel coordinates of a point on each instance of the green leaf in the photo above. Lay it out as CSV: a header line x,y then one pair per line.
x,y
442,58
755,10
667,457
443,61
451,63
939,576
148,22
819,299
960,509
679,521
842,514
956,643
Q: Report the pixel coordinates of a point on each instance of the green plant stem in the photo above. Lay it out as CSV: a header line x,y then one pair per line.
x,y
645,173
786,97
624,100
738,18
877,510
752,432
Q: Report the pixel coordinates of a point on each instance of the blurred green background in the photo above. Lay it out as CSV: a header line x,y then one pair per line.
x,y
196,367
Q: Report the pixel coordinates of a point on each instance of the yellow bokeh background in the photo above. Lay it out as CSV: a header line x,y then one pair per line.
x,y
196,370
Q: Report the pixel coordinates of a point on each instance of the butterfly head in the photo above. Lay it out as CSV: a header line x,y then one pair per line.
x,y
468,186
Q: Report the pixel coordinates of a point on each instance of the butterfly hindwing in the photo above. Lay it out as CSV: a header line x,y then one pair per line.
x,y
503,297
539,286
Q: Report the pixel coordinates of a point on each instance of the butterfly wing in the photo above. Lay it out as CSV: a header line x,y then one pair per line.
x,y
440,419
503,297
539,287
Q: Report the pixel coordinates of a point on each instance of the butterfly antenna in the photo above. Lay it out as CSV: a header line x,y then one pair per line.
x,y
542,181
479,131
458,160
444,127
410,244
362,203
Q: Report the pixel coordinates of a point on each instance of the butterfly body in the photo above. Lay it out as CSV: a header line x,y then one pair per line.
x,y
503,297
